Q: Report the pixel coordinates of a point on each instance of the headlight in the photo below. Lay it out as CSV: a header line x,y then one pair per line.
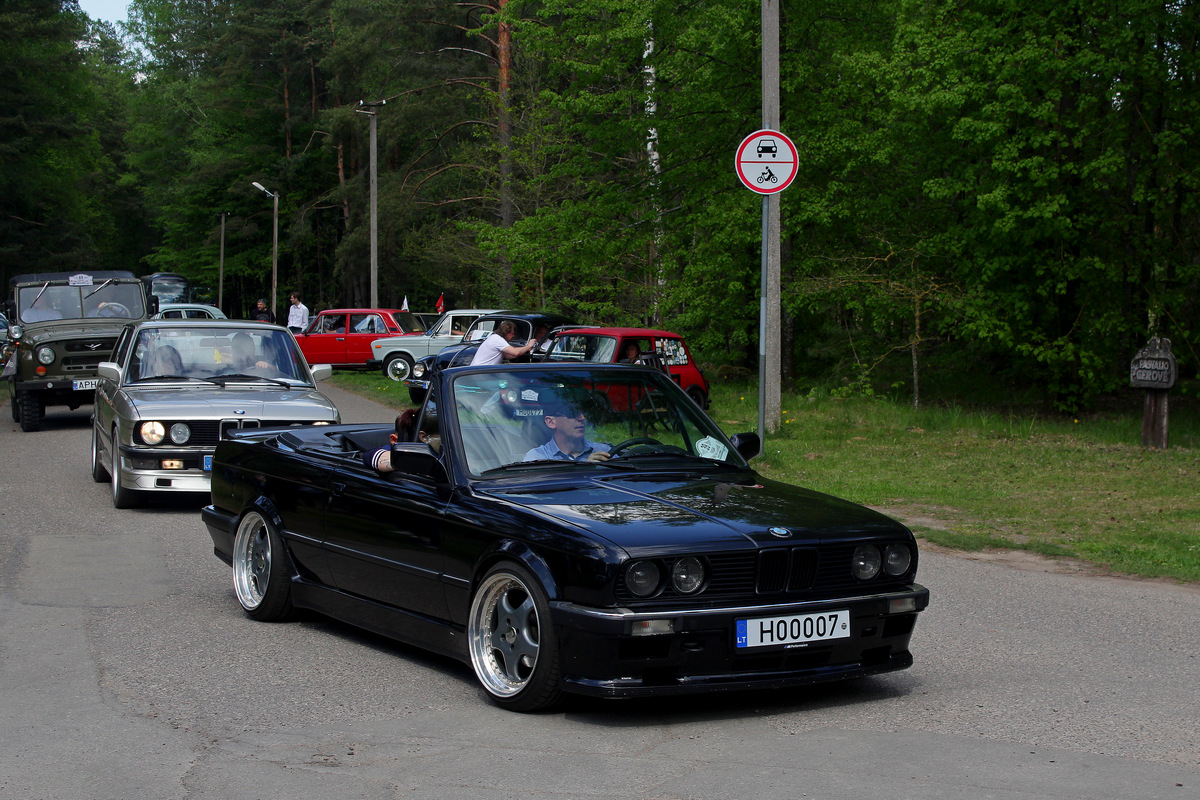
x,y
45,355
642,578
418,370
687,575
896,559
152,432
865,564
180,432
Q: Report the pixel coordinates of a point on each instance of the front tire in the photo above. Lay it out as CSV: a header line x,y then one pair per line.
x,y
260,575
121,497
31,411
514,650
398,367
99,473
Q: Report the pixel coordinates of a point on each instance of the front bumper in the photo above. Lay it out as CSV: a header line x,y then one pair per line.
x,y
601,656
141,469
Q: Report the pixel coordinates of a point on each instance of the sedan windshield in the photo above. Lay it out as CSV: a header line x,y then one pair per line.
x,y
519,419
214,352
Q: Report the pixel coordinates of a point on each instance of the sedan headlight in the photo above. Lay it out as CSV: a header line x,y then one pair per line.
x,y
866,562
152,432
687,575
45,355
180,433
418,370
896,559
642,578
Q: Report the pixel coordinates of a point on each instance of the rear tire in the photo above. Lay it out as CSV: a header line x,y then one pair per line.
x,y
31,411
260,574
697,394
398,367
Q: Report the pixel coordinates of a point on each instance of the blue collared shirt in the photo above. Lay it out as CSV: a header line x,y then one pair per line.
x,y
550,451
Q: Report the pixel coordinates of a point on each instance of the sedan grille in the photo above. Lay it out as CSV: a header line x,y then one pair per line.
x,y
774,575
207,432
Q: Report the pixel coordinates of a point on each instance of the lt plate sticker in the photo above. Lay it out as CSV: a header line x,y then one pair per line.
x,y
708,447
767,631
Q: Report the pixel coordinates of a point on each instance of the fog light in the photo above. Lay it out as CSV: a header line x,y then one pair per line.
x,y
650,627
172,464
899,605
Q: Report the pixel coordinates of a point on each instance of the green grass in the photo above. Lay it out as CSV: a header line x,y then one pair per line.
x,y
1081,487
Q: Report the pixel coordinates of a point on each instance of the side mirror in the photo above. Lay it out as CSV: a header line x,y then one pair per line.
x,y
414,458
321,372
748,445
109,370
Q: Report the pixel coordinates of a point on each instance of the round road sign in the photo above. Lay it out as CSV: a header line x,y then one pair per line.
x,y
766,162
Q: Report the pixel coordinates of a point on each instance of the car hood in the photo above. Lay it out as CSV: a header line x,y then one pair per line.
x,y
252,402
648,512
51,330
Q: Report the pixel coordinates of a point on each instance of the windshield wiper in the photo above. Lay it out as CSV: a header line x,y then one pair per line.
x,y
98,288
221,380
170,378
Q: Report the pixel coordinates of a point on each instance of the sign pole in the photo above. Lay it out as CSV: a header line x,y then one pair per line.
x,y
769,387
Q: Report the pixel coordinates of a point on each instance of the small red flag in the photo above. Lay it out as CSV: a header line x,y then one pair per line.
x,y
441,303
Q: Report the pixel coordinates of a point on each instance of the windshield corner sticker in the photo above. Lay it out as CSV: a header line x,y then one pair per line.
x,y
529,395
708,447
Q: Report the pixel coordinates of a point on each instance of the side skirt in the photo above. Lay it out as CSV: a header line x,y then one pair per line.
x,y
430,634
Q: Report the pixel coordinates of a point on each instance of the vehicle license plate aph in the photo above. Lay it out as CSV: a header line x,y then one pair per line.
x,y
208,463
775,631
85,383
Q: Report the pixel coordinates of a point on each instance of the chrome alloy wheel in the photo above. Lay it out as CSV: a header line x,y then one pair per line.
x,y
504,634
252,558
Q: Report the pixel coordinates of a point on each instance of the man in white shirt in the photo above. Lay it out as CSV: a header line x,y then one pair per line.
x,y
496,348
297,314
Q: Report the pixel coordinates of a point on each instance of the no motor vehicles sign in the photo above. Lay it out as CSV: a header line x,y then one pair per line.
x,y
766,162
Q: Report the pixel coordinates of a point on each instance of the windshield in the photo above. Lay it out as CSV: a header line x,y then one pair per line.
x,y
584,347
213,351
553,418
103,299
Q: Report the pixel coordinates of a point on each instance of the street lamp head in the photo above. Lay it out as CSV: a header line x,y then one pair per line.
x,y
262,188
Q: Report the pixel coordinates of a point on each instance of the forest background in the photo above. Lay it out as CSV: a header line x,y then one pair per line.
x,y
993,198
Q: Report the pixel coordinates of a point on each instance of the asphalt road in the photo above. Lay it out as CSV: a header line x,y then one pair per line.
x,y
127,670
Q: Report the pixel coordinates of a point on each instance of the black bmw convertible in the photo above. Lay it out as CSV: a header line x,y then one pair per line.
x,y
566,528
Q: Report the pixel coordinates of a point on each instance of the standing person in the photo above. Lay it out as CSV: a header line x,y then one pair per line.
x,y
262,313
496,348
297,314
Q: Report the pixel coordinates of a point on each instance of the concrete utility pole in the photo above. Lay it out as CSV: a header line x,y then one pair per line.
x,y
769,376
369,109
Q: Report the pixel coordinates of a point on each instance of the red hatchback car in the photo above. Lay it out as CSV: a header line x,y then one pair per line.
x,y
342,336
646,346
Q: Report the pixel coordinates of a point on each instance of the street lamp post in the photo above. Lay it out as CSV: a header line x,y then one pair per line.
x,y
369,109
274,244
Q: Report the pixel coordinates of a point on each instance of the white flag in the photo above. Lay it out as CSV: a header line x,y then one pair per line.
x,y
405,306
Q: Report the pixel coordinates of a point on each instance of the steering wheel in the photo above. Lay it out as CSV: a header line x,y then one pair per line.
x,y
632,443
115,310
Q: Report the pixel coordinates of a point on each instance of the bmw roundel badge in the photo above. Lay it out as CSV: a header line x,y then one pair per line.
x,y
779,533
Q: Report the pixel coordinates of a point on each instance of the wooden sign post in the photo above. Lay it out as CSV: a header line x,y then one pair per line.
x,y
1154,369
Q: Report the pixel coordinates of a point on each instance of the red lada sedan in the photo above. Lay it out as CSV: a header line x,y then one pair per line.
x,y
342,336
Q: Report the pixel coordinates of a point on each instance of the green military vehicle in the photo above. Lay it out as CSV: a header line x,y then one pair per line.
x,y
62,325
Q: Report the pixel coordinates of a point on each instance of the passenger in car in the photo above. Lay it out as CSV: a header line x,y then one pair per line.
x,y
380,459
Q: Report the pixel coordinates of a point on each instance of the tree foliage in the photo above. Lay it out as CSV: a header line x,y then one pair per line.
x,y
1001,187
